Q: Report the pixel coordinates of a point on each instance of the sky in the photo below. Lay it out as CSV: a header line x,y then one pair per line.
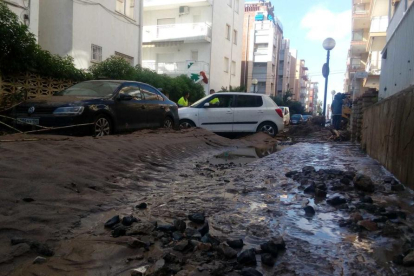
x,y
307,23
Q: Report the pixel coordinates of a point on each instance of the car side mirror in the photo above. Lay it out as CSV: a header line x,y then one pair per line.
x,y
125,97
207,105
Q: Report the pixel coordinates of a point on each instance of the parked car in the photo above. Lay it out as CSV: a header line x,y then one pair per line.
x,y
286,114
234,112
296,119
306,117
108,106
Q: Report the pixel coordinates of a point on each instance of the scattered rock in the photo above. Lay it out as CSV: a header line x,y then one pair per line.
x,y
409,259
41,248
177,236
291,173
364,183
158,268
399,259
247,257
166,228
310,189
204,229
141,228
142,206
320,193
207,238
15,241
28,199
388,179
336,200
112,222
270,247
390,230
350,175
181,246
202,246
250,272
227,251
345,180
136,243
309,211
356,217
129,220
197,218
268,259
236,243
398,188
180,225
139,271
39,260
366,199
119,231
308,169
368,225
192,233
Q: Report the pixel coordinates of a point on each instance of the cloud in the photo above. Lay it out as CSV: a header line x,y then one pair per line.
x,y
321,23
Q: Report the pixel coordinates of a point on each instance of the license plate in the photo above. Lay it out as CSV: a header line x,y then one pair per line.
x,y
28,121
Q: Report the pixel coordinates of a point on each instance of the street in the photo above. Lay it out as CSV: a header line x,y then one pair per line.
x,y
241,195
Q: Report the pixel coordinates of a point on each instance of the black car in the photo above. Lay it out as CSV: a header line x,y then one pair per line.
x,y
296,119
102,106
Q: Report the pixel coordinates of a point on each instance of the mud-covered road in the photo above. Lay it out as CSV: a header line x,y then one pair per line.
x,y
58,194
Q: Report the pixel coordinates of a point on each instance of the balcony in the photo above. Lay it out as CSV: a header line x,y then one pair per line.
x,y
356,67
379,25
170,4
188,33
177,68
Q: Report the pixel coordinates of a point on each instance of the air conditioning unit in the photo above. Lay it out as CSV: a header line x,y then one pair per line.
x,y
184,10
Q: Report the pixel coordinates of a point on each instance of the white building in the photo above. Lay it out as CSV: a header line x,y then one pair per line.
x,y
193,36
28,13
91,30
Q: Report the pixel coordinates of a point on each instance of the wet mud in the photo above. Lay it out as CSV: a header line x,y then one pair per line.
x,y
245,194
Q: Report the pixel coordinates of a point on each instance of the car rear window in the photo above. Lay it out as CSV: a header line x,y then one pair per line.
x,y
91,89
249,101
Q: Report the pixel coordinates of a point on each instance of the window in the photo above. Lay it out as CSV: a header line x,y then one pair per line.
x,y
249,101
228,31
96,53
194,55
226,65
133,91
236,6
233,68
150,94
220,101
230,3
358,35
126,7
126,57
234,37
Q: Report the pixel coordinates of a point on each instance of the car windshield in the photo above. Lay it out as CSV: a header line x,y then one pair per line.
x,y
199,101
297,117
91,89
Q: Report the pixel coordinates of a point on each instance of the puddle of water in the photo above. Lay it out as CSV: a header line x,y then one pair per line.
x,y
246,155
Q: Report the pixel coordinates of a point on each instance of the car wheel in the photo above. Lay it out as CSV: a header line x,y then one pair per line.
x,y
185,124
268,128
102,126
168,123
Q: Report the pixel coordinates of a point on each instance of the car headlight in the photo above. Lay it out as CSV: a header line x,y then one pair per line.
x,y
72,110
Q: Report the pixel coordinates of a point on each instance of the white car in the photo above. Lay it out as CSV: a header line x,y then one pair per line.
x,y
234,112
286,114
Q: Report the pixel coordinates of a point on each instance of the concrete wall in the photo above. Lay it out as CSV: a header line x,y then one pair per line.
x,y
388,134
70,28
397,71
21,8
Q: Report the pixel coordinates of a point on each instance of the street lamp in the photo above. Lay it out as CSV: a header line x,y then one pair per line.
x,y
328,45
254,82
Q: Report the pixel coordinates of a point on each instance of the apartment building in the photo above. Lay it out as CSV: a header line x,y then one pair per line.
x,y
284,68
303,81
27,12
370,20
198,38
262,41
312,102
294,72
91,31
397,72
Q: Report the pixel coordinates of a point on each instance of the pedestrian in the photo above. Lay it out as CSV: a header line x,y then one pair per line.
x,y
337,111
212,91
183,102
214,101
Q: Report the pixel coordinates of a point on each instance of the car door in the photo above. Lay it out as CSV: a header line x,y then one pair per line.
x,y
154,105
217,117
130,113
248,113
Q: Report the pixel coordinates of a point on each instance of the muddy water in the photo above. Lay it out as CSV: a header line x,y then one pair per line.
x,y
244,195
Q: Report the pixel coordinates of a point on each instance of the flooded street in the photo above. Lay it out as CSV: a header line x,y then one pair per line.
x,y
275,191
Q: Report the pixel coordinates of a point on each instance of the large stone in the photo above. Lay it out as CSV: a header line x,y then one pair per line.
x,y
192,233
129,220
236,243
166,228
250,272
291,173
177,236
309,211
157,269
112,222
336,199
270,247
247,257
227,251
39,260
308,169
197,218
268,259
180,225
181,246
136,243
356,217
142,228
368,225
139,271
204,229
207,238
409,259
364,183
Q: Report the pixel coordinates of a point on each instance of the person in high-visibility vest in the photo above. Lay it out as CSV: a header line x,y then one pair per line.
x,y
214,101
183,101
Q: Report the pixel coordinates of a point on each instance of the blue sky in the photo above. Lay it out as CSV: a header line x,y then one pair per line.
x,y
307,23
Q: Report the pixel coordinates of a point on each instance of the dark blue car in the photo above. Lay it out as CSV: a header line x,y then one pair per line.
x,y
103,107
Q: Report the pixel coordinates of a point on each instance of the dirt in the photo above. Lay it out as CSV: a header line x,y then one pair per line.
x,y
59,191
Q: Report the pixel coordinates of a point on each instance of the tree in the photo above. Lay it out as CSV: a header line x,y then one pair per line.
x,y
295,107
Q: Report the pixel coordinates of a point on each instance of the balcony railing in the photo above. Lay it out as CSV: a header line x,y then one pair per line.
x,y
191,31
379,24
177,68
361,10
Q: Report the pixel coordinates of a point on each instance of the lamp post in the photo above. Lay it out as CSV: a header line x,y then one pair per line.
x,y
254,82
328,45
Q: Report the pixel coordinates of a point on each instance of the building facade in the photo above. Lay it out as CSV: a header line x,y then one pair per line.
x,y
303,82
198,38
284,68
27,12
91,31
397,72
262,41
294,72
370,20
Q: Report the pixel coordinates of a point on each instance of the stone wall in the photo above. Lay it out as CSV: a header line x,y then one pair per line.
x,y
388,134
357,116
